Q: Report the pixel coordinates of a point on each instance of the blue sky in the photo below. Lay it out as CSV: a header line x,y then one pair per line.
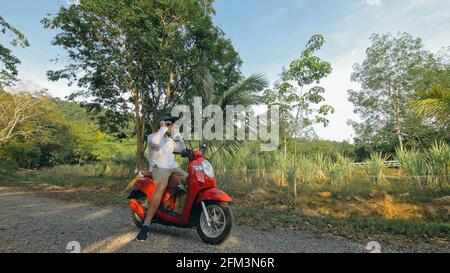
x,y
269,34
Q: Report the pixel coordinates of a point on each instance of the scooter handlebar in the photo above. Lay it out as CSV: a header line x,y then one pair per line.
x,y
190,153
186,153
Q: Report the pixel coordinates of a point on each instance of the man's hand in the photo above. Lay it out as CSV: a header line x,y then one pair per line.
x,y
162,124
175,130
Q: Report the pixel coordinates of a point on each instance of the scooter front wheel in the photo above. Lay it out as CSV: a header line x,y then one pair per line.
x,y
218,228
138,221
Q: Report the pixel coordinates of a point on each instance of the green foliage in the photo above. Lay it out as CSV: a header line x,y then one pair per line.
x,y
9,62
307,169
375,166
90,143
300,98
434,104
325,147
339,171
300,109
427,168
308,69
66,135
39,137
102,169
414,163
389,76
245,93
136,59
108,148
38,153
439,163
411,229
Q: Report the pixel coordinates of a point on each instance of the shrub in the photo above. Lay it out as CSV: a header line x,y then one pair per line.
x,y
340,171
439,163
414,164
375,167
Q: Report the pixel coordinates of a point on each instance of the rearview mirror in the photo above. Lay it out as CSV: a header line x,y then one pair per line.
x,y
203,148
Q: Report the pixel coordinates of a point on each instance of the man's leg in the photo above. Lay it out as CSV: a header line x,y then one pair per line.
x,y
181,198
181,174
177,178
160,177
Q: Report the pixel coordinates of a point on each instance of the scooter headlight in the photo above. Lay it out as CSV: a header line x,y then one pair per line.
x,y
208,168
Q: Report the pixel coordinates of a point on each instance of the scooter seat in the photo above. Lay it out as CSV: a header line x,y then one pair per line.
x,y
148,174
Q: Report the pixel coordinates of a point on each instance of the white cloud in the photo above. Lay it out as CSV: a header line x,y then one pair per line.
x,y
373,2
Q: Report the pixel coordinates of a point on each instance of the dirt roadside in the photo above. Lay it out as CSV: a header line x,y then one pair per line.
x,y
32,223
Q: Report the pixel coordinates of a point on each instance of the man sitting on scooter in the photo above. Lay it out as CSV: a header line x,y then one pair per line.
x,y
161,146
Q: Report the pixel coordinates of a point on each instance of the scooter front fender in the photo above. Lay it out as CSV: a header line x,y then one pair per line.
x,y
213,194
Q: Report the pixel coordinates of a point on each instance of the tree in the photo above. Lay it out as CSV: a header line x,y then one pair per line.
x,y
305,71
290,94
134,60
432,97
23,115
89,143
245,93
32,130
300,108
387,78
434,104
9,62
435,72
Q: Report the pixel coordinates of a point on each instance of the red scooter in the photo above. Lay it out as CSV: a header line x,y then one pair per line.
x,y
206,207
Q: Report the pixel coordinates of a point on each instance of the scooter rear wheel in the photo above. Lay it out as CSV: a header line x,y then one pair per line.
x,y
221,221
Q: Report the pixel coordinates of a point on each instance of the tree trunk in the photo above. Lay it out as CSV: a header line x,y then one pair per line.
x,y
398,127
295,169
396,110
285,159
285,147
140,147
139,123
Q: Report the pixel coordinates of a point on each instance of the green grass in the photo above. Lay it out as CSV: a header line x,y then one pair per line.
x,y
375,167
282,210
355,226
7,172
70,176
339,171
430,169
413,230
439,163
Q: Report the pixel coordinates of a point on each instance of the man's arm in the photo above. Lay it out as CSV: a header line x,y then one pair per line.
x,y
155,139
179,143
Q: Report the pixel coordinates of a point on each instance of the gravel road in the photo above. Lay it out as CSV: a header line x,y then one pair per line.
x,y
31,223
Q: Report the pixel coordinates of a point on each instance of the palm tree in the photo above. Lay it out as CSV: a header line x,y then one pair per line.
x,y
434,103
245,93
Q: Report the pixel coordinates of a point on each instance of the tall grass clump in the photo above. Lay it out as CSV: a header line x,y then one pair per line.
x,y
414,163
321,162
439,163
306,170
340,171
118,167
375,166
